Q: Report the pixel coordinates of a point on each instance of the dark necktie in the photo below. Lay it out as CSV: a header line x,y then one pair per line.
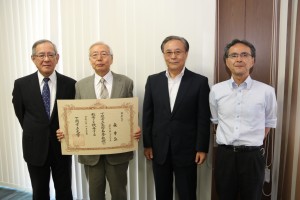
x,y
104,91
46,96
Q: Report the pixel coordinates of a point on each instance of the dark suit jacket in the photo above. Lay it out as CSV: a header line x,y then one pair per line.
x,y
38,131
122,88
186,129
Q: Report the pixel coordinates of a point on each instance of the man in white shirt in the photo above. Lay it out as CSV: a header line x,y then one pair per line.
x,y
176,122
244,110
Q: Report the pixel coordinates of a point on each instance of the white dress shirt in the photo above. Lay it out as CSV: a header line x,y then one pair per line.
x,y
173,85
242,112
52,86
108,83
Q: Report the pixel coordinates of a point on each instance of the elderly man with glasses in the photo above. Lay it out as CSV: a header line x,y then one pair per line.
x,y
34,100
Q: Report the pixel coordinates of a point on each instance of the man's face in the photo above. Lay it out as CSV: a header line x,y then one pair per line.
x,y
100,59
175,55
239,60
45,58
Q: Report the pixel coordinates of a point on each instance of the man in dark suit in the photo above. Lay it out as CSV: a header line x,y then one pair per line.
x,y
112,167
39,122
176,122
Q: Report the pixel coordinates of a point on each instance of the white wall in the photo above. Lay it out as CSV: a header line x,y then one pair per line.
x,y
133,28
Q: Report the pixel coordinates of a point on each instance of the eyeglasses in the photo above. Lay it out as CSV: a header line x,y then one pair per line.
x,y
43,56
242,55
176,53
103,54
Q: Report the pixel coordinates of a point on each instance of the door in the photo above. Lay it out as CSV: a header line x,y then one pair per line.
x,y
255,21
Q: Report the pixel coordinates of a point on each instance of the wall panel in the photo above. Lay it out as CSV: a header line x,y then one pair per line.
x,y
252,20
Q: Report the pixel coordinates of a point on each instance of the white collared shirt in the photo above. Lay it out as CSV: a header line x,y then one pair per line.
x,y
52,83
108,83
242,112
173,85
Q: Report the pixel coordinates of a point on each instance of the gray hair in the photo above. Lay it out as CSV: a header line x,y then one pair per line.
x,y
173,37
33,52
101,43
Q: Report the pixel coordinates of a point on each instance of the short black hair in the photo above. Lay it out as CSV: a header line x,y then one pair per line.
x,y
236,41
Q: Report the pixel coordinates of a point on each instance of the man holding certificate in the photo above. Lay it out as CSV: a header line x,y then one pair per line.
x,y
102,85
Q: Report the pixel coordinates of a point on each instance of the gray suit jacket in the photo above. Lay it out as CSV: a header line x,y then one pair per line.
x,y
122,88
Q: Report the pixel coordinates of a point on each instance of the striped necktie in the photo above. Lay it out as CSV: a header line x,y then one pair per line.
x,y
104,91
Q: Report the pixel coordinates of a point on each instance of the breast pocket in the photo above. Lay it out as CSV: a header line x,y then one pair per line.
x,y
254,112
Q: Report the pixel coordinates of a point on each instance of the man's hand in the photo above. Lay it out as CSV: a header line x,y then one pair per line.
x,y
59,135
137,134
148,153
267,130
200,157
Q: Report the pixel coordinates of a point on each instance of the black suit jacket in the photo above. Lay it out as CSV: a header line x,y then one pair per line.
x,y
186,129
38,131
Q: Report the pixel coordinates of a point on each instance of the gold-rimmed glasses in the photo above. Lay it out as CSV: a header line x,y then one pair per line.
x,y
176,53
103,54
42,56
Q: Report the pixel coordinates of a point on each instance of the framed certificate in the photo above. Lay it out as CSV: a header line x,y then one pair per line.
x,y
98,126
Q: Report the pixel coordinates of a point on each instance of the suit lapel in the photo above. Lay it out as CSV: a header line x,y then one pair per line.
x,y
117,86
35,85
60,88
185,84
165,98
90,88
36,95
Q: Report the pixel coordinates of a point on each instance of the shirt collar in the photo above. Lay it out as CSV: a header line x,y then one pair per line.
x,y
247,83
108,78
52,77
178,76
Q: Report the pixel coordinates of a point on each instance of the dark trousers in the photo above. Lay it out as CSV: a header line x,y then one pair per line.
x,y
239,174
185,180
60,168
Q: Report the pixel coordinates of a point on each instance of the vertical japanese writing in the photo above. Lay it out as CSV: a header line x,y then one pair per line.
x,y
109,132
77,126
86,125
115,125
93,123
122,117
115,136
102,126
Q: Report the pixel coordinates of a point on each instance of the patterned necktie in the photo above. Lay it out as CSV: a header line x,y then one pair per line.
x,y
104,91
46,96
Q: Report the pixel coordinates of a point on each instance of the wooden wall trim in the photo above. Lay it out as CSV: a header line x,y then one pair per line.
x,y
285,116
257,22
297,63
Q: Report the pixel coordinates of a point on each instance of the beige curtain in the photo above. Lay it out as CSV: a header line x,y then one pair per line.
x,y
134,29
288,173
